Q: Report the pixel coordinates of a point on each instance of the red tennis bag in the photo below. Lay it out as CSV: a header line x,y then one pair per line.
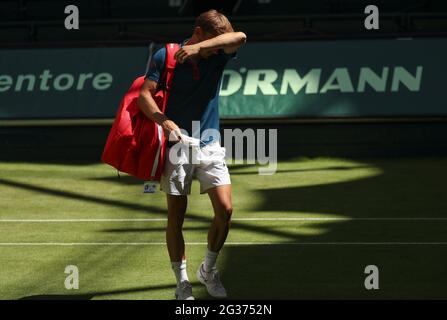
x,y
136,145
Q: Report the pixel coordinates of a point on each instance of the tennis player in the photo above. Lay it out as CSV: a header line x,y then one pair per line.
x,y
194,97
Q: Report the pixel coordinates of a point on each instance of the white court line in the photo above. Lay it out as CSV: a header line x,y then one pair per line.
x,y
234,219
227,243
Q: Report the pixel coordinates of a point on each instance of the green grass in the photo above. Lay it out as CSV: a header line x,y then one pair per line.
x,y
282,260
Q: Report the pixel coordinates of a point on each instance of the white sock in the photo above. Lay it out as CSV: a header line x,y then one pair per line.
x,y
210,260
179,269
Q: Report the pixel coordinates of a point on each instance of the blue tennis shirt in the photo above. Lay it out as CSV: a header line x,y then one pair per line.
x,y
194,91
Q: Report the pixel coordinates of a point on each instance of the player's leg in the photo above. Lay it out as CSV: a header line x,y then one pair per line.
x,y
176,244
215,180
174,235
207,274
176,182
220,197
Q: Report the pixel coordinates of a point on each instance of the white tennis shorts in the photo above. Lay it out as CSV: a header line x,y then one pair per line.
x,y
183,162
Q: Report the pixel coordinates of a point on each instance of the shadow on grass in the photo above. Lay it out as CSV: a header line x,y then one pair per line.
x,y
345,168
91,295
156,229
130,180
128,206
81,197
330,263
123,179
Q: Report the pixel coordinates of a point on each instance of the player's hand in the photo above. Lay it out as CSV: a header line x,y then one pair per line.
x,y
172,131
187,52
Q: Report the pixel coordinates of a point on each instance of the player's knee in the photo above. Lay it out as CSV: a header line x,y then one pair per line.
x,y
228,213
225,213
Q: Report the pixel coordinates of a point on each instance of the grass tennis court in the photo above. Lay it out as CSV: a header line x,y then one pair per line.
x,y
306,232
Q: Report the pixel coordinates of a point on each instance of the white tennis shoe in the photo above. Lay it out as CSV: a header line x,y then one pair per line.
x,y
184,291
212,282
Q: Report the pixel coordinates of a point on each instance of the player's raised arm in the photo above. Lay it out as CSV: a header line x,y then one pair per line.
x,y
213,32
229,42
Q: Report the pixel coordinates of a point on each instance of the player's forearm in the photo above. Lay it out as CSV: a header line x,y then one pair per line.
x,y
226,40
150,108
